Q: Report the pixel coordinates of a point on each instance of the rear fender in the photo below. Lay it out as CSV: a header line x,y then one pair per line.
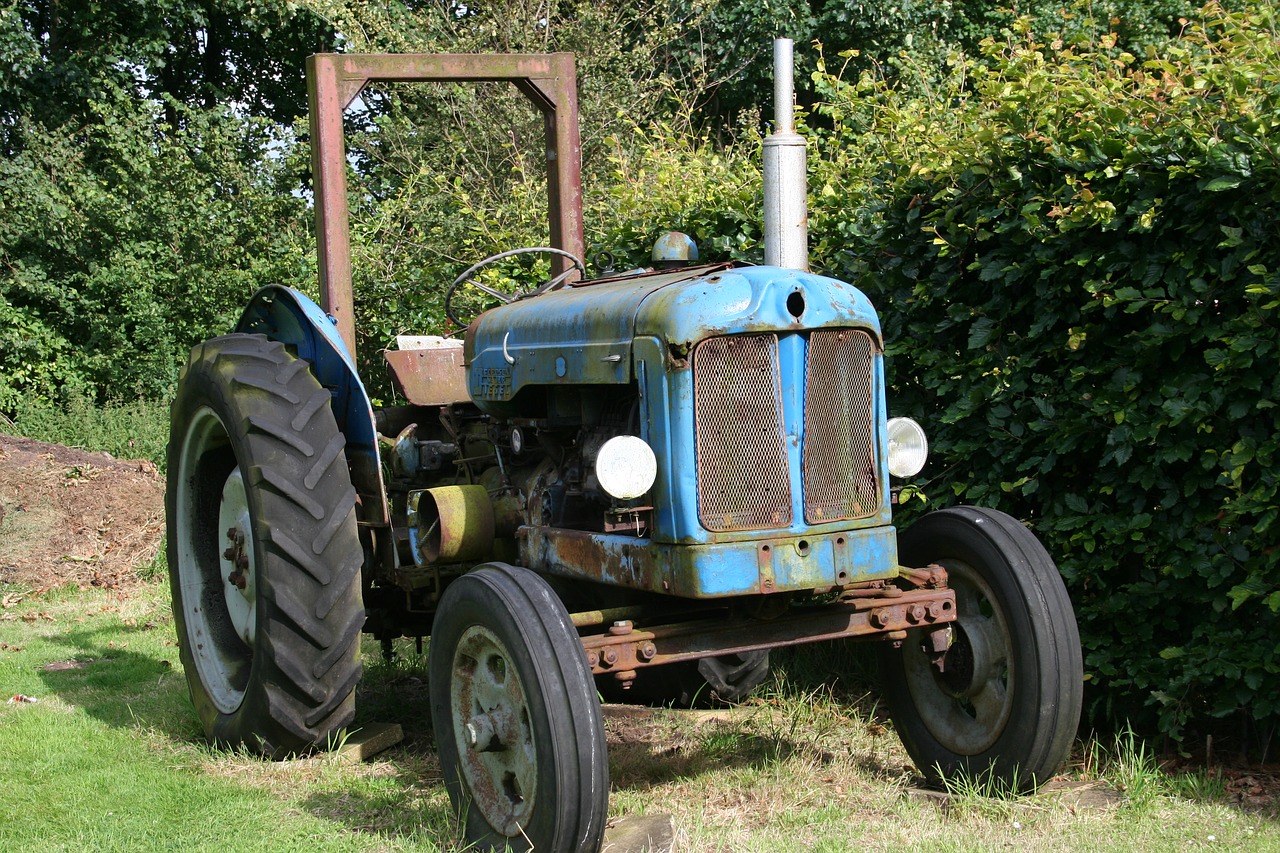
x,y
286,315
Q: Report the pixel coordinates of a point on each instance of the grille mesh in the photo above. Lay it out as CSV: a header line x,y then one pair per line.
x,y
743,482
839,468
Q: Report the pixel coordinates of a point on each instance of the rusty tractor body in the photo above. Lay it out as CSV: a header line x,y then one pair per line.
x,y
677,468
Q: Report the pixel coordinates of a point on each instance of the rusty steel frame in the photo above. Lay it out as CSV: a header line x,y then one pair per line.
x,y
883,612
335,80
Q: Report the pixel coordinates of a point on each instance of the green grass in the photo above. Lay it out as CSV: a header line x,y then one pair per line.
x,y
111,758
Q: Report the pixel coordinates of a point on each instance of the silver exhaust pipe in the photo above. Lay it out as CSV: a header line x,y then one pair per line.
x,y
786,211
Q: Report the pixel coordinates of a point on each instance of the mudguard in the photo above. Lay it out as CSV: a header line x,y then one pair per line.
x,y
289,316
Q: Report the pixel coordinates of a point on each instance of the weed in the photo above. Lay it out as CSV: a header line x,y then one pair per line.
x,y
1131,766
126,430
337,741
1201,785
157,569
983,793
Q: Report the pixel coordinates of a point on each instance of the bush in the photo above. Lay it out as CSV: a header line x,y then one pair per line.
x,y
1074,254
126,240
136,430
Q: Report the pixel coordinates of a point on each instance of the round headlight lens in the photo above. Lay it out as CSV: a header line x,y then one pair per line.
x,y
908,447
626,467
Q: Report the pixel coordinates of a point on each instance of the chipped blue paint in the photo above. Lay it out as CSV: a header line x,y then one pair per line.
x,y
573,336
715,570
747,299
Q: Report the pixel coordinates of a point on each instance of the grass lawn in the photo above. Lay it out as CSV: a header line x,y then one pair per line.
x,y
110,758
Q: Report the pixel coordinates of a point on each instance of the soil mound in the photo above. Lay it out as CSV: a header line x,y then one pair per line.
x,y
71,516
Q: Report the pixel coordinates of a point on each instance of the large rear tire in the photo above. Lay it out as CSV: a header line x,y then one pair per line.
x,y
1006,704
264,555
517,723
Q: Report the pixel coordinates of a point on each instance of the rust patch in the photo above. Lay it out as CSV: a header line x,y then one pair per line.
x,y
429,377
863,613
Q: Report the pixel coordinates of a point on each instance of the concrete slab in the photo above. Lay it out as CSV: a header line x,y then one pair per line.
x,y
640,834
369,740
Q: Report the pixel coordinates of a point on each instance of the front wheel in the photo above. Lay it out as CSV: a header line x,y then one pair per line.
x,y
518,727
1004,704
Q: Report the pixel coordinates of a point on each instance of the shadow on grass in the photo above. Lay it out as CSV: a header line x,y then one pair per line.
x,y
640,760
123,676
101,675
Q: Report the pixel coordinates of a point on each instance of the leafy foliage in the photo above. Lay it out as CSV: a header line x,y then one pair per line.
x,y
726,54
1074,253
140,209
122,246
204,54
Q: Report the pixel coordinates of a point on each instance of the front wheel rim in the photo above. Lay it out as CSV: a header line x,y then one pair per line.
x,y
967,706
493,731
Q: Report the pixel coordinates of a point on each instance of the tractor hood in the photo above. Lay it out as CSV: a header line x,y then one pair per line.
x,y
583,335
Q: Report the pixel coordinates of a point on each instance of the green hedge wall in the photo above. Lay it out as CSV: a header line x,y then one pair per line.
x,y
1076,254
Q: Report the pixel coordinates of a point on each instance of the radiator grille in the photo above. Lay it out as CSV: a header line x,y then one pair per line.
x,y
743,482
839,466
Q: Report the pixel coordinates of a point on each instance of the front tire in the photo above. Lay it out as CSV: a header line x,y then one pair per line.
x,y
263,550
518,728
1006,704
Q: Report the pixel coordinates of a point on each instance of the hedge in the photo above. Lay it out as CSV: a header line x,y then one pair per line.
x,y
1076,256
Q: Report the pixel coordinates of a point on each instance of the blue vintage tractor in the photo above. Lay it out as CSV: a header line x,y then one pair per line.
x,y
632,485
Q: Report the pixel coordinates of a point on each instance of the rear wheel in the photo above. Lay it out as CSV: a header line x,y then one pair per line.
x,y
517,724
1006,702
263,551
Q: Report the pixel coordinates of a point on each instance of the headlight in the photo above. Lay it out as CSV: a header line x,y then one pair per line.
x,y
908,448
626,467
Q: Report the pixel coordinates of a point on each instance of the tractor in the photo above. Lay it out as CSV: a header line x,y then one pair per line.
x,y
629,485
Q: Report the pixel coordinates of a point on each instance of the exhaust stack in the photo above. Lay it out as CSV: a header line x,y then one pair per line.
x,y
786,213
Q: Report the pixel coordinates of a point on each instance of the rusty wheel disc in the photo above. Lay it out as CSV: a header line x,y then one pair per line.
x,y
237,563
492,730
967,705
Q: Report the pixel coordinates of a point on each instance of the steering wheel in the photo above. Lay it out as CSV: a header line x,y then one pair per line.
x,y
466,278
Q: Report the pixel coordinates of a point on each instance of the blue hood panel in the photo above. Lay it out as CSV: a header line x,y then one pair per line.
x,y
583,335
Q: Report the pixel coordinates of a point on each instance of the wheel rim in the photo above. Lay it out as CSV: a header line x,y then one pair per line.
x,y
215,555
493,731
238,565
966,706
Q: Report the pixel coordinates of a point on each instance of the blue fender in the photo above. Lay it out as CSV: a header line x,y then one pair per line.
x,y
287,315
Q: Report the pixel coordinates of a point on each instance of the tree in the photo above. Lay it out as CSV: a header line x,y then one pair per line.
x,y
201,53
727,45
147,188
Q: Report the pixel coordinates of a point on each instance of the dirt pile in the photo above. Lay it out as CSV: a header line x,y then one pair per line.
x,y
70,516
